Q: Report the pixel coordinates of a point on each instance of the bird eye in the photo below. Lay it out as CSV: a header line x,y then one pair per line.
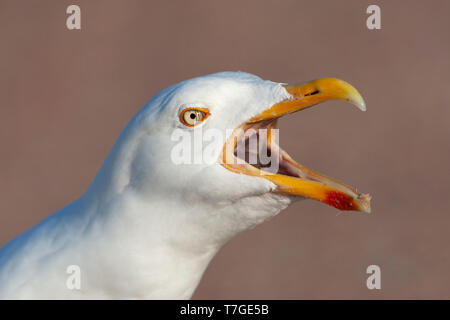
x,y
193,116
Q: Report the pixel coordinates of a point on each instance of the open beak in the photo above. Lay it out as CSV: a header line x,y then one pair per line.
x,y
291,177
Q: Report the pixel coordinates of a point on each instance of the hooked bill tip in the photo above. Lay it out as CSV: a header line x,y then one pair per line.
x,y
359,102
356,99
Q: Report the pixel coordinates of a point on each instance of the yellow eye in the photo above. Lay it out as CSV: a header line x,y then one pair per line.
x,y
193,116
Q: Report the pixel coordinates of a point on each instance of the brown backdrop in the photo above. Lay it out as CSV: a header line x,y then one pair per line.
x,y
66,95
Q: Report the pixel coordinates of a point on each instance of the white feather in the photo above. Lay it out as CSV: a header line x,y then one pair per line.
x,y
146,227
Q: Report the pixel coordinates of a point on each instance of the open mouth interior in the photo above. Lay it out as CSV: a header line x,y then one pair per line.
x,y
252,149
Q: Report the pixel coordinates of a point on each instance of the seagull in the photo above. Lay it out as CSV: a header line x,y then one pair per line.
x,y
148,225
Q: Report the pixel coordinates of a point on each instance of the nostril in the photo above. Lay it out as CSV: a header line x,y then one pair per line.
x,y
312,93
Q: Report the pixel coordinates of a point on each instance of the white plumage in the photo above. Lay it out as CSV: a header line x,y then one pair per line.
x,y
146,227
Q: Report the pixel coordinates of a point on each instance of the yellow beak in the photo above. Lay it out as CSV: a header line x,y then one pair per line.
x,y
301,181
311,93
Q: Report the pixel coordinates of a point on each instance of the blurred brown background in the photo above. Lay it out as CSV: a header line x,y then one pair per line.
x,y
66,95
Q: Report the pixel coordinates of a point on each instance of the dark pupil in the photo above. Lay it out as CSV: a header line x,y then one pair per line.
x,y
192,116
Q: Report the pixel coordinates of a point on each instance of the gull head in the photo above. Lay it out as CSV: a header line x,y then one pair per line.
x,y
209,147
198,164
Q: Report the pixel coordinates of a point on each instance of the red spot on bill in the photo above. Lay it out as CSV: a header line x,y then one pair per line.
x,y
340,200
